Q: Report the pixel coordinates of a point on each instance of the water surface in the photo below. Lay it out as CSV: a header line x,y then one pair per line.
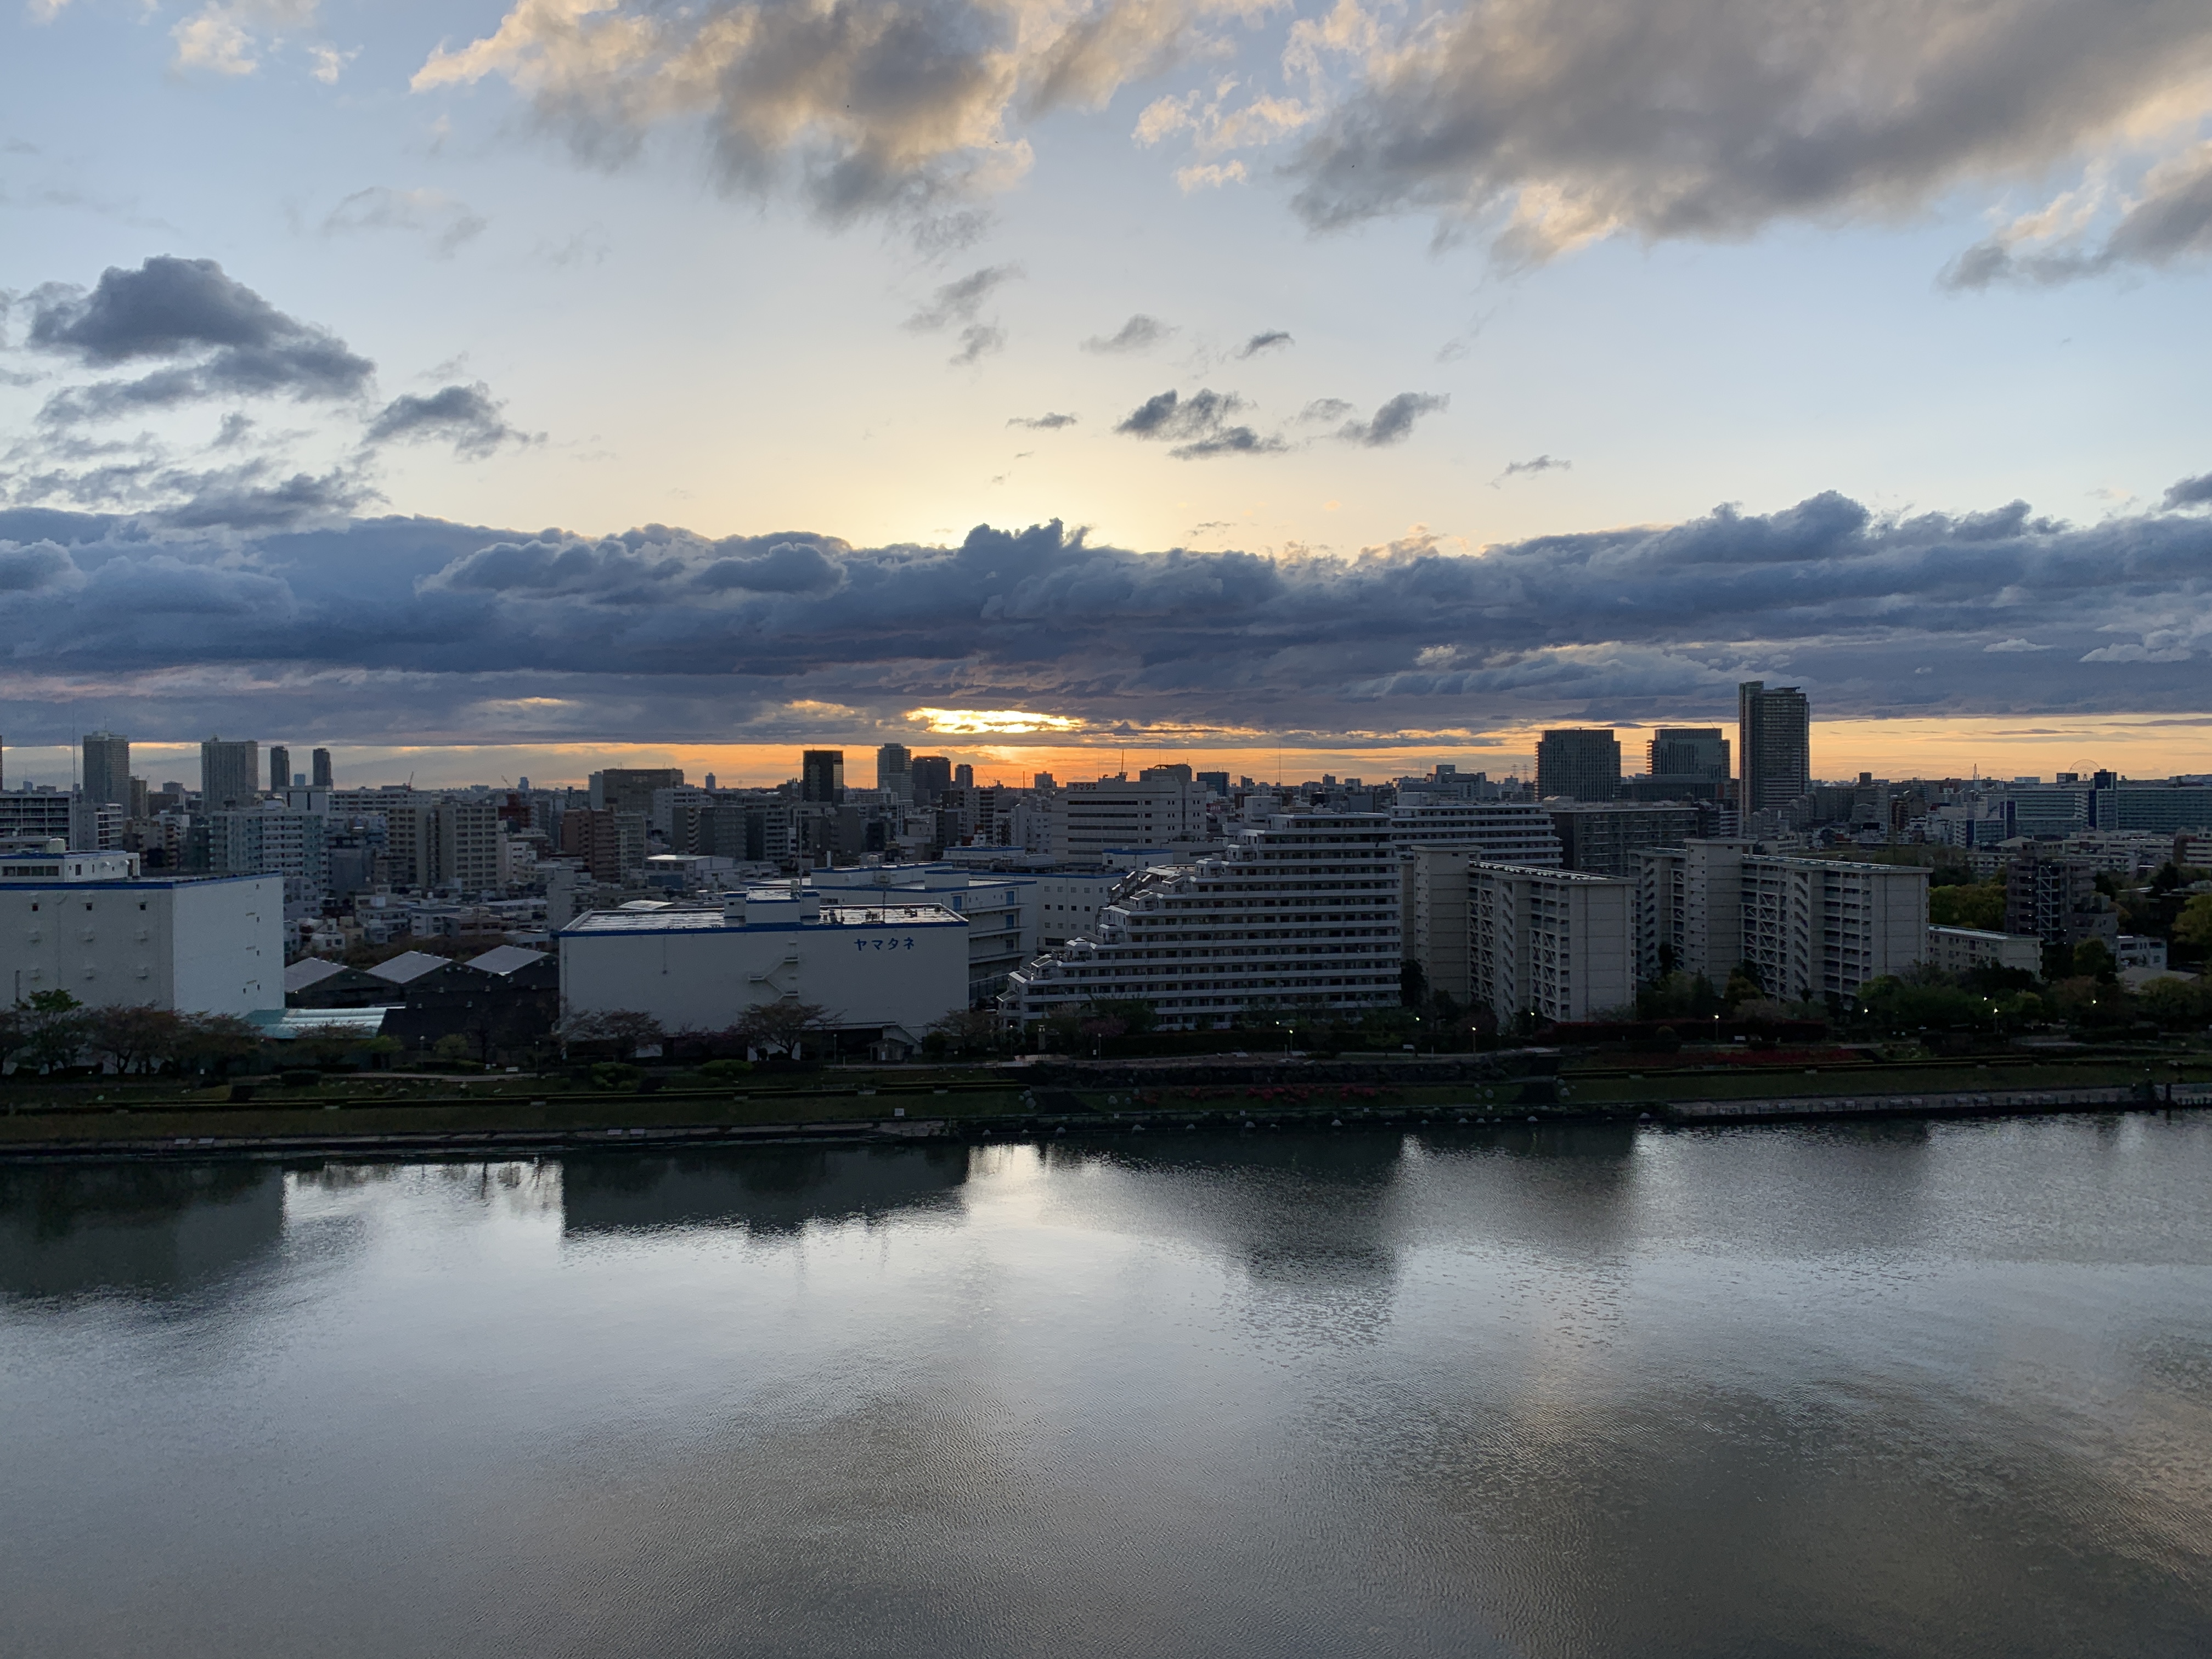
x,y
1875,1389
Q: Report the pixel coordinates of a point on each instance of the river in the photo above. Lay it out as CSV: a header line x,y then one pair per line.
x,y
1898,1389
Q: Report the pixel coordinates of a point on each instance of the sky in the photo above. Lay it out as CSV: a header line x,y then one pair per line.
x,y
482,391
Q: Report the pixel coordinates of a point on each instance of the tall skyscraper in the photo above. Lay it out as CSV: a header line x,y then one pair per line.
x,y
964,776
933,776
106,769
1583,762
822,776
324,779
1774,746
894,763
230,774
1689,751
280,767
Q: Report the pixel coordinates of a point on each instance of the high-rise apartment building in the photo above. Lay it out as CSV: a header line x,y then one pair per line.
x,y
2056,899
1090,820
1602,839
271,839
1814,928
230,774
1580,763
322,778
1498,832
1774,746
280,768
894,770
107,768
1300,916
1559,945
822,776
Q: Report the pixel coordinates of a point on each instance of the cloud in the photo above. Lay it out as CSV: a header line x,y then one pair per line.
x,y
2014,645
413,629
1323,409
222,37
1198,426
225,338
1043,423
960,301
445,220
1394,422
2170,221
1557,122
1535,465
1273,339
1139,334
466,416
2190,492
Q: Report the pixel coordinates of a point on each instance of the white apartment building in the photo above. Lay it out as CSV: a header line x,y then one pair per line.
x,y
1814,927
889,970
1088,818
1556,944
1502,832
89,924
1961,950
1301,915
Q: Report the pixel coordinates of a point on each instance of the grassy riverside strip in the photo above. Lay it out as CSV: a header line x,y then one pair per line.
x,y
346,1116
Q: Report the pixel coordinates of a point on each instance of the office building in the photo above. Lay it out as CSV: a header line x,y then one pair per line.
x,y
91,925
1091,819
1580,764
629,788
1814,928
106,769
1774,746
885,972
322,777
610,844
1554,945
1604,840
895,771
230,774
280,768
822,776
1299,916
931,774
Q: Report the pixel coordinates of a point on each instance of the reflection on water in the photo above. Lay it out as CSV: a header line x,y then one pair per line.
x,y
769,1189
151,1228
1518,1391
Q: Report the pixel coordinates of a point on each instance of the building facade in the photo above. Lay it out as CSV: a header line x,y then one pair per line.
x,y
1604,840
1301,915
230,774
1556,946
1962,950
1090,819
106,769
1774,746
1578,764
91,925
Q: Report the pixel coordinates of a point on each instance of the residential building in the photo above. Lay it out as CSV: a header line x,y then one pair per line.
x,y
894,770
1774,746
35,816
1301,915
2056,899
1602,839
822,776
1436,913
271,839
2138,950
1688,751
1501,832
106,769
610,844
322,777
1069,902
92,925
470,846
1962,950
280,768
1556,944
883,972
230,774
1578,764
1813,928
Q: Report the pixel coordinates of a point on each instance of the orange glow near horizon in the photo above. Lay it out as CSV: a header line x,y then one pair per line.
x,y
2143,746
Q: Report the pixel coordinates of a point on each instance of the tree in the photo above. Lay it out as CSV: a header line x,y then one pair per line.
x,y
2178,1005
211,1042
2093,958
2194,925
1412,983
1978,904
49,1028
137,1039
782,1026
966,1031
626,1028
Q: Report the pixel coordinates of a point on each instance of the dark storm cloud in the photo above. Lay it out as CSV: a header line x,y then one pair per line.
x,y
2191,492
1394,422
397,624
1198,425
1270,341
466,416
1139,334
174,309
1566,119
